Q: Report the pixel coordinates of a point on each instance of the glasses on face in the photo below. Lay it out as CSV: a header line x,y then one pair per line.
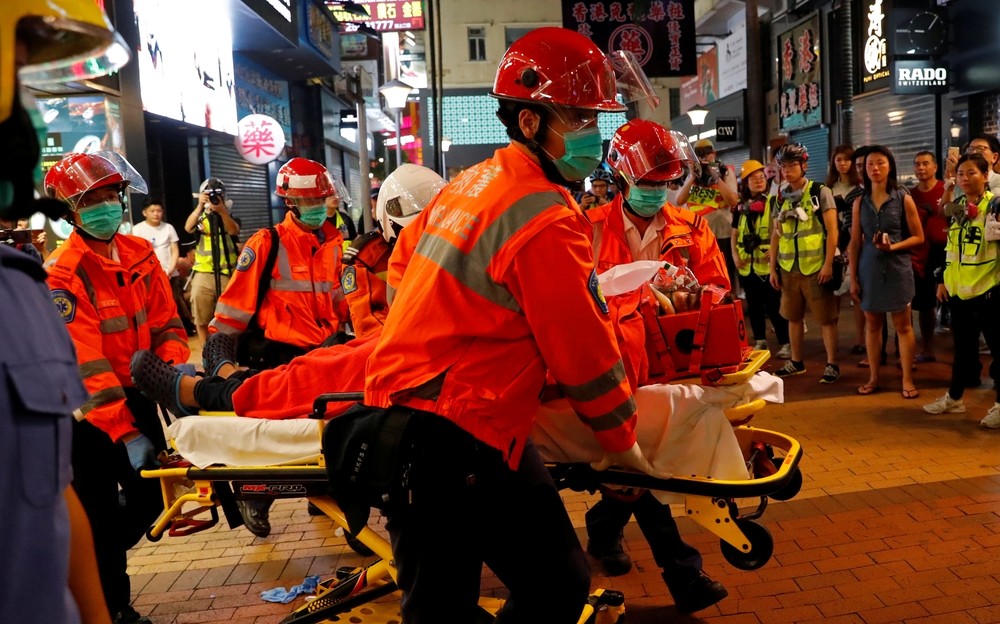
x,y
788,167
758,176
977,149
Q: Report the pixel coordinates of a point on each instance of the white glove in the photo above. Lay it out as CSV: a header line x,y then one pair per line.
x,y
992,228
632,459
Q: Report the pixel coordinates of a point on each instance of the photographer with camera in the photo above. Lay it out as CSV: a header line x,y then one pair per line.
x,y
19,238
215,254
751,245
712,195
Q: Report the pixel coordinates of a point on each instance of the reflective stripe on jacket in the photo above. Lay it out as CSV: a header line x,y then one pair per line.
x,y
203,250
685,240
113,309
971,262
756,261
500,288
304,304
363,282
803,240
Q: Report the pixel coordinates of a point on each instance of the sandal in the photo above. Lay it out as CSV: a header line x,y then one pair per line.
x,y
910,394
867,389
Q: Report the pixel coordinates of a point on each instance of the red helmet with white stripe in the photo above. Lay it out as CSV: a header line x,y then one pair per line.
x,y
301,178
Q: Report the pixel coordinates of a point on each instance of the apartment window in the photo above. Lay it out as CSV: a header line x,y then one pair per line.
x,y
513,33
477,43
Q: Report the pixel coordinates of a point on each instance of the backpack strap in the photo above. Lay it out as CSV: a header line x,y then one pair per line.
x,y
264,282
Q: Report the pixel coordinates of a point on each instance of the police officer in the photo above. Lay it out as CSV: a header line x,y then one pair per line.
x,y
41,519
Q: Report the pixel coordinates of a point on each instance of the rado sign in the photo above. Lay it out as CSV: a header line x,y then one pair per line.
x,y
919,77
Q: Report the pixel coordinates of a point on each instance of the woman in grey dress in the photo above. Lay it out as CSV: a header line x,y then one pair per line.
x,y
885,226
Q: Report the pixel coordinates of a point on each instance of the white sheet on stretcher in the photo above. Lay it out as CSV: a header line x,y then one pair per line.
x,y
682,429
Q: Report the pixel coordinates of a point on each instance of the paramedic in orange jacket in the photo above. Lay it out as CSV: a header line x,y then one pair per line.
x,y
115,299
501,287
639,224
303,305
401,197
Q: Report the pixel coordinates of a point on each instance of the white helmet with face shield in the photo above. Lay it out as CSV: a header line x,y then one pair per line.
x,y
403,195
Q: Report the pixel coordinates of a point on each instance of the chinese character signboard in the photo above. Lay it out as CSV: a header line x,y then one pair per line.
x,y
800,101
662,40
384,16
873,39
260,91
260,139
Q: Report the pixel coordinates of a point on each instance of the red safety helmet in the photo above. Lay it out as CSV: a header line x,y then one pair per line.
x,y
645,151
301,178
78,173
557,66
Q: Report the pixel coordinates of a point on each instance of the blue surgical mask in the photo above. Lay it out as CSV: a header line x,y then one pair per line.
x,y
101,220
646,202
584,152
313,216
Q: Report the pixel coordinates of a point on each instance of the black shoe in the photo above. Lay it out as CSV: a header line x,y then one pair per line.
x,y
255,516
697,594
128,615
611,555
159,382
219,349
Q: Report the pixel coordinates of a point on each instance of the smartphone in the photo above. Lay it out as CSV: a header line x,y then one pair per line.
x,y
954,151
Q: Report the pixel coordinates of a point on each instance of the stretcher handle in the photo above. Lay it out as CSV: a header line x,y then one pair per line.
x,y
320,403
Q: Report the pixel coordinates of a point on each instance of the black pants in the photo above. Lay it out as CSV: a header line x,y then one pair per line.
x,y
468,508
763,301
215,394
969,317
100,466
680,562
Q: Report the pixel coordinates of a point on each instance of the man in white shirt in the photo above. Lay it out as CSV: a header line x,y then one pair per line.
x,y
163,237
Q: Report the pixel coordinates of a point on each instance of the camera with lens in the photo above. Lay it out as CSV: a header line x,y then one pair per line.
x,y
15,237
215,196
751,241
711,173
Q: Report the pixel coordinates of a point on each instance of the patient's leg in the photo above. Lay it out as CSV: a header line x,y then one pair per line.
x,y
213,394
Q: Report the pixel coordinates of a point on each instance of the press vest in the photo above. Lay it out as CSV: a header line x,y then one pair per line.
x,y
113,309
304,304
500,289
363,281
756,261
203,251
685,240
971,262
800,240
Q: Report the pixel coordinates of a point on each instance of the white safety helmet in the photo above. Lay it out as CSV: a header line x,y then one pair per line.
x,y
403,195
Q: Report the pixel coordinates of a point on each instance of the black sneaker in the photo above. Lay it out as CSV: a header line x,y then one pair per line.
x,y
128,615
790,368
611,556
159,382
830,374
219,349
255,515
697,594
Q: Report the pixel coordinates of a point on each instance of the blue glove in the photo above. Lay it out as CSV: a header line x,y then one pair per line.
x,y
186,369
141,453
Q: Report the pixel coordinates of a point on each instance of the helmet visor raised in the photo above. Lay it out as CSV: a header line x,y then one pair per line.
x,y
63,50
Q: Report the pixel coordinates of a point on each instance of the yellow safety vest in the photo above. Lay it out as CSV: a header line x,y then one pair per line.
x,y
203,252
971,263
802,240
703,199
757,261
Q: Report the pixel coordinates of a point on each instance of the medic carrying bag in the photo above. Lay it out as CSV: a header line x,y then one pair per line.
x,y
366,457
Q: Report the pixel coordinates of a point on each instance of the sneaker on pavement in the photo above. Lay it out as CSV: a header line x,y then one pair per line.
x,y
159,382
700,593
219,349
946,405
255,515
760,345
992,419
785,352
830,374
790,368
611,556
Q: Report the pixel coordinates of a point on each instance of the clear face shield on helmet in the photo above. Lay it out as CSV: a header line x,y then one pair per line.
x,y
89,177
642,159
63,49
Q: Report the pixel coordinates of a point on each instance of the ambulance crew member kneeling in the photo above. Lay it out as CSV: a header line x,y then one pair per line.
x,y
115,299
500,288
639,224
298,303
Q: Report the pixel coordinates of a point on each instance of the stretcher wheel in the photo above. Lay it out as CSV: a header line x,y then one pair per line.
x,y
760,543
792,487
151,537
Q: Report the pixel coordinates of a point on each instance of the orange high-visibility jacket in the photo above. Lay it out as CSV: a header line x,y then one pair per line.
x,y
362,279
500,288
686,240
113,309
304,304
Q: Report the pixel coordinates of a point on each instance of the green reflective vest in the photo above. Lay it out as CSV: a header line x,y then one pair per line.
x,y
756,261
203,251
803,240
971,262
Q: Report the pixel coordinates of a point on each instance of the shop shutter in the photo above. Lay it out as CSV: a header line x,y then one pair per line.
x,y
817,141
246,184
903,123
734,158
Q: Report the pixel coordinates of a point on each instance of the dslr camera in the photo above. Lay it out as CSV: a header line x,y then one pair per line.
x,y
215,196
15,237
751,241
